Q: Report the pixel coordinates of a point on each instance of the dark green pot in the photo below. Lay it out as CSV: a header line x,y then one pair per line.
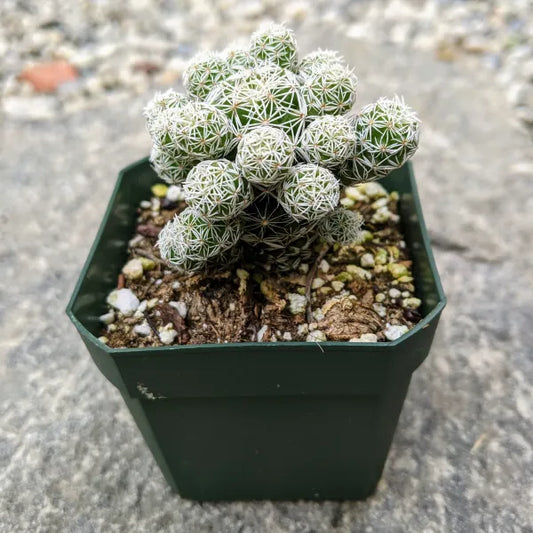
x,y
260,420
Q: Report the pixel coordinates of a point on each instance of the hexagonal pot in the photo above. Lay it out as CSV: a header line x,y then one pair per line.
x,y
289,420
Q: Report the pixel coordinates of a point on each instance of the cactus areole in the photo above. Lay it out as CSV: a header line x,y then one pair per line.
x,y
263,143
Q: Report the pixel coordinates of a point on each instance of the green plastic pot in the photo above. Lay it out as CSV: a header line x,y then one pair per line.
x,y
259,420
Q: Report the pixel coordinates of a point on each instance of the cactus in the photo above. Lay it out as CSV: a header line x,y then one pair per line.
x,y
387,136
203,72
159,104
328,141
263,146
342,226
190,240
169,167
275,44
216,190
319,60
266,95
264,154
329,91
267,224
309,192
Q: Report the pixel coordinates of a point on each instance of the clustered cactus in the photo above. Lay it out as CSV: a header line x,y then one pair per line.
x,y
262,144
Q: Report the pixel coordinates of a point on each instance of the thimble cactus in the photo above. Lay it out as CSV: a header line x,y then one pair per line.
x,y
264,154
216,190
309,192
203,72
265,95
319,60
329,141
342,226
387,135
190,240
329,91
275,44
263,145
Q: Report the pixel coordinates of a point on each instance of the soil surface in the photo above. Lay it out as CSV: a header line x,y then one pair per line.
x,y
363,292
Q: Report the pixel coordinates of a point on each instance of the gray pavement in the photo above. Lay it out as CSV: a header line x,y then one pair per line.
x,y
71,458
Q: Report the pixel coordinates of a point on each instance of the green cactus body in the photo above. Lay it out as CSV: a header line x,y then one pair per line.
x,y
169,167
267,95
190,240
267,224
328,141
238,58
198,131
387,135
309,192
329,91
203,72
275,44
264,154
159,104
319,60
342,226
216,190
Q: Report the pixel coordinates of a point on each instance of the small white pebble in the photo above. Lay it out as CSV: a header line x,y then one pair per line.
x,y
381,215
231,306
317,283
158,282
261,333
107,318
297,302
316,336
150,304
318,315
303,268
156,205
124,300
374,190
347,202
103,339
367,260
355,193
176,285
142,329
142,306
133,269
365,337
175,194
303,329
167,334
324,266
395,332
145,204
412,303
406,294
337,285
394,293
313,326
112,327
382,202
287,336
380,309
380,297
181,308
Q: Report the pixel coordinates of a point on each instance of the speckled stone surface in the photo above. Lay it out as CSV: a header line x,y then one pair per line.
x,y
71,458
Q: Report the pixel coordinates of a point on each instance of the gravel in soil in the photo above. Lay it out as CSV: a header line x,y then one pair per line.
x,y
362,292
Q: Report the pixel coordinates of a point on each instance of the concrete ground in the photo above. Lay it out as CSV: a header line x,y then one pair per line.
x,y
71,458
